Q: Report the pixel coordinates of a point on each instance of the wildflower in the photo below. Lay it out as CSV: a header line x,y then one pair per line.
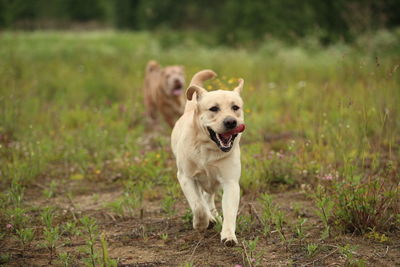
x,y
328,177
97,171
238,265
158,156
9,226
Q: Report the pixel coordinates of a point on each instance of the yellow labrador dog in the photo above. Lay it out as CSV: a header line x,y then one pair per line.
x,y
205,142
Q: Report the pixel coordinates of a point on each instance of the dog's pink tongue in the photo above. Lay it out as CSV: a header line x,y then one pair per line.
x,y
237,130
177,92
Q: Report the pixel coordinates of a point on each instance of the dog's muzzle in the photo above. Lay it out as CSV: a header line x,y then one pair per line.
x,y
177,88
225,140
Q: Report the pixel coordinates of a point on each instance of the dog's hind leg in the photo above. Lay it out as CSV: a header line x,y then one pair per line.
x,y
209,198
196,202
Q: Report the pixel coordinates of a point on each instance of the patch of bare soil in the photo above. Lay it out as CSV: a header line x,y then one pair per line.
x,y
156,239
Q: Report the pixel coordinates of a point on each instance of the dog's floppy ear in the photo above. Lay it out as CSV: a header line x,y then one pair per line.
x,y
195,89
239,88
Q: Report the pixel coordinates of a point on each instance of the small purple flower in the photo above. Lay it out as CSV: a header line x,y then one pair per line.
x,y
9,226
238,265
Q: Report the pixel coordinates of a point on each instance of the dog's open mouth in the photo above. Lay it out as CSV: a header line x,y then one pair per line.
x,y
177,89
225,140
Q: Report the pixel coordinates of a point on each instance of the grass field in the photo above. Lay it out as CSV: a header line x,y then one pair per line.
x,y
83,181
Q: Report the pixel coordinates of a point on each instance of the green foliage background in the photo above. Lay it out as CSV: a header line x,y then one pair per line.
x,y
226,21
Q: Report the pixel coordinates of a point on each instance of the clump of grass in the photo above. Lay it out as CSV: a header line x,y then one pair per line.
x,y
360,205
266,170
272,217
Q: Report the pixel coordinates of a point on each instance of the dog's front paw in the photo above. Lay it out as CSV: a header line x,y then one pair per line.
x,y
200,218
228,238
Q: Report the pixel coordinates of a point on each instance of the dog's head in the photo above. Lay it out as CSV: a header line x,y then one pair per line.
x,y
219,113
173,80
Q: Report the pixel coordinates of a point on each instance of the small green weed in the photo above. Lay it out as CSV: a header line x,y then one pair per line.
x,y
325,210
65,259
164,236
251,257
312,249
131,200
244,223
187,217
299,229
50,191
349,253
272,216
51,234
91,230
168,204
106,260
25,236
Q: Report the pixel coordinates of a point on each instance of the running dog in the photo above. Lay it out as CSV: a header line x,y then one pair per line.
x,y
205,142
163,92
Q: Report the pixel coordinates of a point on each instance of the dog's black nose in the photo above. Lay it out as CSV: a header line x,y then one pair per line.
x,y
230,123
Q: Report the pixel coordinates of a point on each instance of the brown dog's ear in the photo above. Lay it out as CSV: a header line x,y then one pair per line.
x,y
195,89
239,88
152,65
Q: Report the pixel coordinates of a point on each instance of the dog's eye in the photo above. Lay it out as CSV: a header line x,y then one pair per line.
x,y
234,107
214,109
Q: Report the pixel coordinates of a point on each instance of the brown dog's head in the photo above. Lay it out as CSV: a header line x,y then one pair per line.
x,y
220,112
173,80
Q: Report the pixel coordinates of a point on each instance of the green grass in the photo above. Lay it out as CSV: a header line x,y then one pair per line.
x,y
71,108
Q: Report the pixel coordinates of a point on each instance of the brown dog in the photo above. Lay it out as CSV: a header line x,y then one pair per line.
x,y
163,92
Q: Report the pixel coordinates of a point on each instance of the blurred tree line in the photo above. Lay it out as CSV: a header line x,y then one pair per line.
x,y
230,21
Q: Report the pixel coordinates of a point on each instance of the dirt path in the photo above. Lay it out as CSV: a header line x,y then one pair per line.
x,y
153,238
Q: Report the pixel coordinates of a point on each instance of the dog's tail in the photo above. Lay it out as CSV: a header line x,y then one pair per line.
x,y
198,79
202,76
152,65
